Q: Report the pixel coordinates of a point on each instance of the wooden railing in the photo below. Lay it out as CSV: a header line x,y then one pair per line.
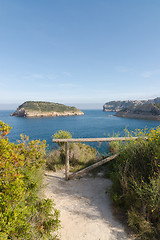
x,y
71,140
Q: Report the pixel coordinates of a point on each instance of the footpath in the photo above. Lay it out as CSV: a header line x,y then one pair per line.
x,y
85,208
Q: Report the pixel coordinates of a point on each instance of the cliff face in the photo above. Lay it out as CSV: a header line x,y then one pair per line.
x,y
115,106
33,109
145,109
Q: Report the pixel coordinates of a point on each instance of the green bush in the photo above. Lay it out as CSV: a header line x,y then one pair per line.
x,y
80,155
62,135
136,182
23,214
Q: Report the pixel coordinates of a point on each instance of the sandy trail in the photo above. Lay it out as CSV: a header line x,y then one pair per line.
x,y
85,208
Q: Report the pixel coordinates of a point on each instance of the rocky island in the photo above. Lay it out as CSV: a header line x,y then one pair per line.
x,y
145,109
34,109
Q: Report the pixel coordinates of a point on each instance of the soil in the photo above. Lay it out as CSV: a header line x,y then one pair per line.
x,y
85,208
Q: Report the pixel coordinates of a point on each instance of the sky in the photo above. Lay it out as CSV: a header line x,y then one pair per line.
x,y
79,52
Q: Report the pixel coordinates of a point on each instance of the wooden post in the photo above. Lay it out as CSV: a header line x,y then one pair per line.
x,y
67,141
67,161
97,164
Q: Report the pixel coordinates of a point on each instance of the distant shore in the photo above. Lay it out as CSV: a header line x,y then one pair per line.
x,y
137,116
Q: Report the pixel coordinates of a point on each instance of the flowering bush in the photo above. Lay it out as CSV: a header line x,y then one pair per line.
x,y
136,182
23,214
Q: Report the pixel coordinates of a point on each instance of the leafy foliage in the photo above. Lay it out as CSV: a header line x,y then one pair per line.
x,y
23,214
62,135
136,182
81,155
46,107
4,129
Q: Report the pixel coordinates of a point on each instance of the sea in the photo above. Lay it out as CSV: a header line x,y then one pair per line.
x,y
95,123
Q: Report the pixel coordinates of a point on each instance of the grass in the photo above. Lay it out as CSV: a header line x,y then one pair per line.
x,y
136,182
81,156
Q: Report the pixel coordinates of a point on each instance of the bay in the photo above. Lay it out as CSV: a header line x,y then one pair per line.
x,y
95,123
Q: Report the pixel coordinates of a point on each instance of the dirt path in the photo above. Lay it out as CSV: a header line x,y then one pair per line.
x,y
85,208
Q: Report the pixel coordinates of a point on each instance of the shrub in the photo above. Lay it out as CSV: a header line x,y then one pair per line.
x,y
136,183
23,214
62,135
81,155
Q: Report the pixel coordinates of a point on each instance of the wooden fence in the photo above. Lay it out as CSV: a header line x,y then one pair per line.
x,y
99,163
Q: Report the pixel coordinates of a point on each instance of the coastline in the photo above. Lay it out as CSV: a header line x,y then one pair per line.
x,y
45,114
138,116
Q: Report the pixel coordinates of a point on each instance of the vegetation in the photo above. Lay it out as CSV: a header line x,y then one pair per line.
x,y
136,182
23,213
46,107
81,155
135,190
158,105
62,135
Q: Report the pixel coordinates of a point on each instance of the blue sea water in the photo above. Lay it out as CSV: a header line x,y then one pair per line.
x,y
95,123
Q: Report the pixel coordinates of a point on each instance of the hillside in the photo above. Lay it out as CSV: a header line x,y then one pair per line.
x,y
115,106
45,109
143,111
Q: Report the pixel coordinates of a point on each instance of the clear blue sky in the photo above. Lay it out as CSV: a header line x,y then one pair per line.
x,y
79,51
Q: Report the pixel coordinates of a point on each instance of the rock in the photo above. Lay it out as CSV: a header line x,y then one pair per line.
x,y
36,109
115,106
144,111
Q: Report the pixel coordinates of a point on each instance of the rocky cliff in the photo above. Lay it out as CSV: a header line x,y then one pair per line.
x,y
144,109
33,109
115,106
